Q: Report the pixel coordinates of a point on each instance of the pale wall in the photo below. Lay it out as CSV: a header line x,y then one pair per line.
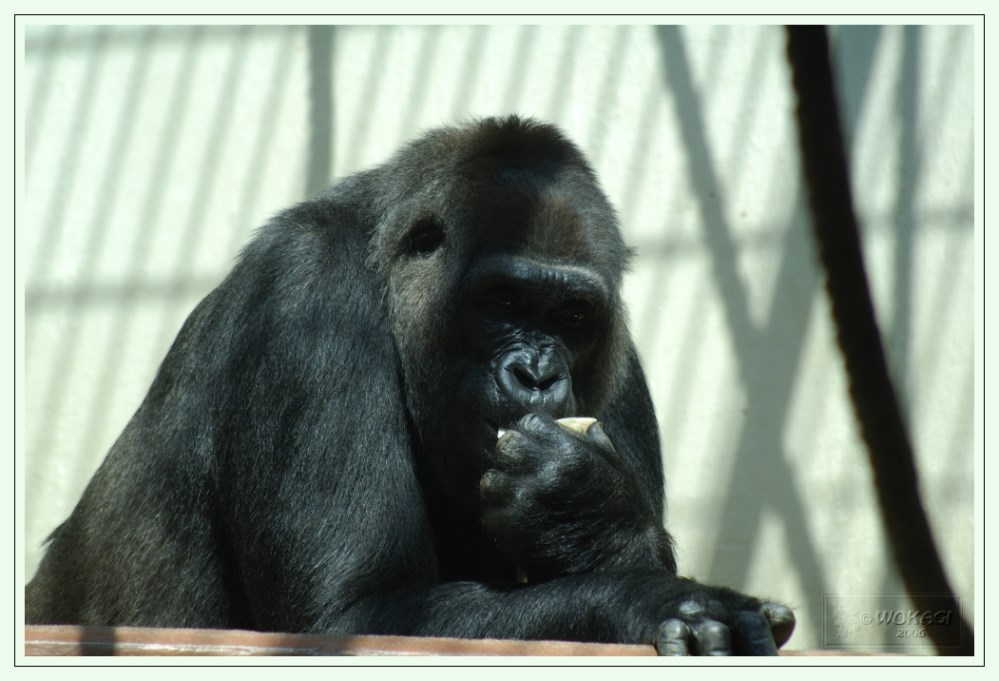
x,y
151,154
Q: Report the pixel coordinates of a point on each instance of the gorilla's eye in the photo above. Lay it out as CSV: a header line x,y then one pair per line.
x,y
504,298
575,314
425,237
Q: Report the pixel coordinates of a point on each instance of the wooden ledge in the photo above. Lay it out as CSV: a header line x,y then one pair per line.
x,y
73,640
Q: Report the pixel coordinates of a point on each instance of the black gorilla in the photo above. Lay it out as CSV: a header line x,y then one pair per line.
x,y
318,451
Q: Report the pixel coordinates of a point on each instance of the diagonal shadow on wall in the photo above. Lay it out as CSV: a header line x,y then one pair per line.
x,y
768,357
88,290
320,152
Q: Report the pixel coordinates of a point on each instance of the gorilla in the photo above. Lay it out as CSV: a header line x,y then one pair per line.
x,y
318,451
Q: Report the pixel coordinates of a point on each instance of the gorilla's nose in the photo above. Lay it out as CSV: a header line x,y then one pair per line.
x,y
539,382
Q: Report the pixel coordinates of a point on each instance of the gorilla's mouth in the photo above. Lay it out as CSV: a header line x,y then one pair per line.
x,y
499,426
494,426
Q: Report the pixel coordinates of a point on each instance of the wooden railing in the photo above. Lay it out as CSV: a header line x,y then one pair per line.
x,y
72,640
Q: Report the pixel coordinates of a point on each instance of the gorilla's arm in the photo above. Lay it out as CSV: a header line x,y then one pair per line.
x,y
678,616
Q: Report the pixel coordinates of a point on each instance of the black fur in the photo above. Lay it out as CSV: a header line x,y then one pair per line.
x,y
318,451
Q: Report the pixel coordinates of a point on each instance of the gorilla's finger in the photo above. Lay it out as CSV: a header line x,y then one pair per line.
x,y
598,435
537,424
713,638
496,486
510,453
751,635
672,639
781,621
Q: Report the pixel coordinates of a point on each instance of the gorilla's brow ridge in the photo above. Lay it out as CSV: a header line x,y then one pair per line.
x,y
534,272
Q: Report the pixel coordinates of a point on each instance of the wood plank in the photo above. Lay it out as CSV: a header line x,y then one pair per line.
x,y
73,640
64,640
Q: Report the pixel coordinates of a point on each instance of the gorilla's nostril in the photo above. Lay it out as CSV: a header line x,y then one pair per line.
x,y
525,378
533,382
547,383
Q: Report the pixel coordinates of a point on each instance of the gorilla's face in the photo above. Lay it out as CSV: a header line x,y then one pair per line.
x,y
504,301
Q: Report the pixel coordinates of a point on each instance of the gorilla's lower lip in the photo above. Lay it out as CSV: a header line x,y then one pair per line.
x,y
498,430
491,425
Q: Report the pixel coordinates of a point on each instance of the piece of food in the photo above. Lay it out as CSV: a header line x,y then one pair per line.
x,y
579,424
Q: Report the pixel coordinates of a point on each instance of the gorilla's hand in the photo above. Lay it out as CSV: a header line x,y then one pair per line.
x,y
559,502
695,619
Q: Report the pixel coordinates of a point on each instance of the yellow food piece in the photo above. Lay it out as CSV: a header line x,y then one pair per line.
x,y
579,424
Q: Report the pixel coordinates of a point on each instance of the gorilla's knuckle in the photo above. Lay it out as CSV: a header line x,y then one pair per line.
x,y
673,629
713,630
692,609
492,482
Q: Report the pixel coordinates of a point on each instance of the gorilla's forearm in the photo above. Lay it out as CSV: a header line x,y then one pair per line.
x,y
625,606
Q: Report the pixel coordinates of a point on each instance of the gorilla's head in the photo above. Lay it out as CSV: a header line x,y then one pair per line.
x,y
502,262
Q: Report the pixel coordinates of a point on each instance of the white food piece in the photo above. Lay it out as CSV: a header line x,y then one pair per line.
x,y
579,424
